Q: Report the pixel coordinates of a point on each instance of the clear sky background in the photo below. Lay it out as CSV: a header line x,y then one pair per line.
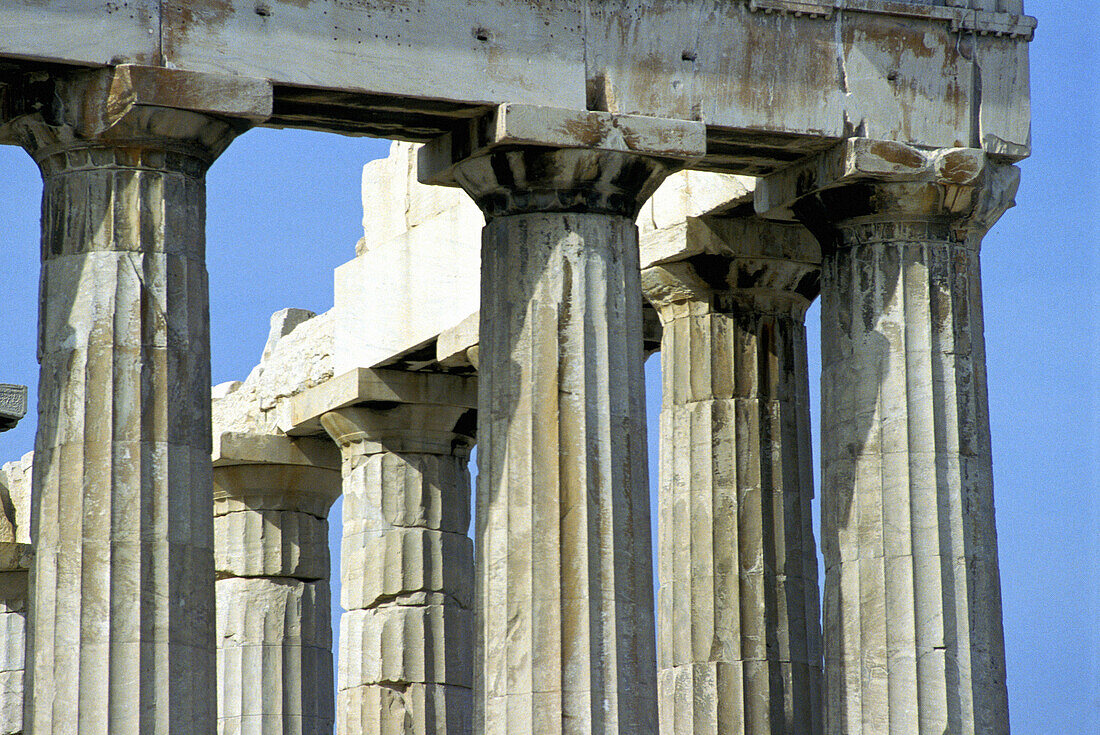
x,y
284,210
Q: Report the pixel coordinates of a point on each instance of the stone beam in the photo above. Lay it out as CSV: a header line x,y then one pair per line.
x,y
774,79
364,386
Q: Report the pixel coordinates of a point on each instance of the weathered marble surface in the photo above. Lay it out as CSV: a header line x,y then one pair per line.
x,y
565,598
15,479
416,269
120,627
296,357
913,632
274,656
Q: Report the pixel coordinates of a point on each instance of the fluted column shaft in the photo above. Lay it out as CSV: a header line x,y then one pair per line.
x,y
274,626
739,632
120,630
565,594
406,569
913,633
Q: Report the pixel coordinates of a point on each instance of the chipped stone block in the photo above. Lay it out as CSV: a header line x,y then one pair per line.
x,y
283,323
13,405
15,499
296,362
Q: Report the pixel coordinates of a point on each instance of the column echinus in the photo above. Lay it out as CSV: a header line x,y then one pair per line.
x,y
406,566
120,628
912,623
564,639
739,634
272,494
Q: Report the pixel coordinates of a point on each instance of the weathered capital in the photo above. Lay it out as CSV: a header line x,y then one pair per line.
x,y
270,472
151,117
524,159
402,427
743,263
870,190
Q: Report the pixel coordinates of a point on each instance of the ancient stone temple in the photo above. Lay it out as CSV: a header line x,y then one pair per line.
x,y
583,183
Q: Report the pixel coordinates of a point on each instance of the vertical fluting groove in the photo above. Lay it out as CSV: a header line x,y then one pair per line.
x,y
739,631
898,325
562,534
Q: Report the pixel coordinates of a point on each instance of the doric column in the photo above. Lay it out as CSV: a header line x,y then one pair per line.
x,y
406,566
16,556
913,635
565,636
272,495
120,629
738,627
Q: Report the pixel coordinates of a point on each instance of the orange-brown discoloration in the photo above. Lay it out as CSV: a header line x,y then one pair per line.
x,y
896,153
960,167
588,130
190,13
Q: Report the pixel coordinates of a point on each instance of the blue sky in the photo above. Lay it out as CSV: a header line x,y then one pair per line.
x,y
284,210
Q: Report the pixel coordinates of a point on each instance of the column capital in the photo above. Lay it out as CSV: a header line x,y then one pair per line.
x,y
849,194
737,263
524,158
141,113
272,472
402,427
